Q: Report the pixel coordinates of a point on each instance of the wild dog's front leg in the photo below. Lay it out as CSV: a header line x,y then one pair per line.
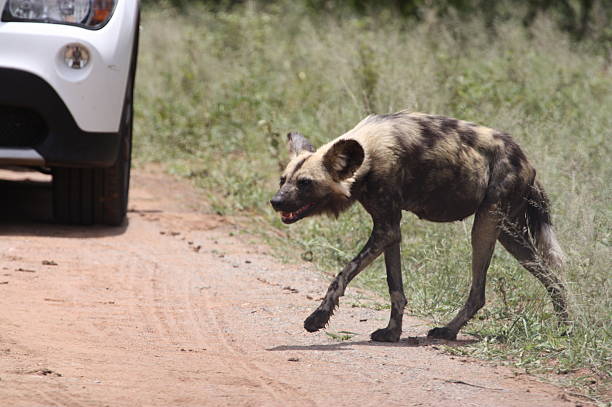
x,y
393,331
379,239
319,318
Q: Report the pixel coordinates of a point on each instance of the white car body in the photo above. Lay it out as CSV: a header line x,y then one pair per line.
x,y
94,95
72,119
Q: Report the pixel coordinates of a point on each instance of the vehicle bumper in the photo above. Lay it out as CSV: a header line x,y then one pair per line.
x,y
59,140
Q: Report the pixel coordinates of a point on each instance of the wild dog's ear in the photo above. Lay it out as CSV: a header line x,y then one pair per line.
x,y
343,159
298,143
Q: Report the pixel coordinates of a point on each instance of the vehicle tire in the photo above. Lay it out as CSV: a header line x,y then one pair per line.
x,y
85,196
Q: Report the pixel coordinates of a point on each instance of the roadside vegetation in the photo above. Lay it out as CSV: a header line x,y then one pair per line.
x,y
218,90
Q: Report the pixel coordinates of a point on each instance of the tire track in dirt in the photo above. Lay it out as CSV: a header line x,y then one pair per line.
x,y
164,305
290,394
159,308
149,305
219,316
64,399
56,397
42,395
282,392
185,283
142,276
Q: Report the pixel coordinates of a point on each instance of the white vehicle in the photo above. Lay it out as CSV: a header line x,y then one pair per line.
x,y
66,90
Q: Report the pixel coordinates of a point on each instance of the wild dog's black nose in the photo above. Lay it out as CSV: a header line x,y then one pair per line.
x,y
276,202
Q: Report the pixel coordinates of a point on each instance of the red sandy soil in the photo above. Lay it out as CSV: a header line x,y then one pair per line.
x,y
179,307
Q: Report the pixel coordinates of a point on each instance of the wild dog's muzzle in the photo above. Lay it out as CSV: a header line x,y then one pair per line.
x,y
278,202
289,212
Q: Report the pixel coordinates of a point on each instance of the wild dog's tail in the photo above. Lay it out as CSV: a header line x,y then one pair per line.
x,y
540,226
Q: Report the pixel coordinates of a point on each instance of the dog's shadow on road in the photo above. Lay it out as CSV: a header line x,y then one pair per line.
x,y
409,342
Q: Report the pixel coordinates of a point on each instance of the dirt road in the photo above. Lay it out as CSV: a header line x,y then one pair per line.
x,y
179,308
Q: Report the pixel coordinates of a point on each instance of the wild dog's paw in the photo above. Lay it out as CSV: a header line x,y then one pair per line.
x,y
442,333
385,335
316,320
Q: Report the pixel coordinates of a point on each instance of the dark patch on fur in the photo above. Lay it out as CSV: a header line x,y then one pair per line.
x,y
448,125
410,150
467,136
515,155
512,150
430,134
422,189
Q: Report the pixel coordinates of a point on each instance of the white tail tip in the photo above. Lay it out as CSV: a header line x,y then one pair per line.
x,y
549,246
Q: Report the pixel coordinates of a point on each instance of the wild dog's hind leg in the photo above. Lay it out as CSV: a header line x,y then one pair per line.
x,y
484,235
383,235
520,246
393,331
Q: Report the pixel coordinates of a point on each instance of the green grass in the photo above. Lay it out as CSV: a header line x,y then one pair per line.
x,y
216,94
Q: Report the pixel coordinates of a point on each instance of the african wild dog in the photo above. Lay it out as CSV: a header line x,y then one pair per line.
x,y
441,169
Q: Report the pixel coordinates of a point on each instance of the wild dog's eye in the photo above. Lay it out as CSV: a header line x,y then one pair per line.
x,y
282,180
304,182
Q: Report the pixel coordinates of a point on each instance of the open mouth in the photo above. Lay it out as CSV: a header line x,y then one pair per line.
x,y
290,217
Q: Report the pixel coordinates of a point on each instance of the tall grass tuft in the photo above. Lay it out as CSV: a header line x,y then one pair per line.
x,y
217,92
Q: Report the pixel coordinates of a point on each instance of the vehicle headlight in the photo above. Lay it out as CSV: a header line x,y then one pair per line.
x,y
85,13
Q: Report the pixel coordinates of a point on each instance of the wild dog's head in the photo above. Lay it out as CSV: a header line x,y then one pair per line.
x,y
316,182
